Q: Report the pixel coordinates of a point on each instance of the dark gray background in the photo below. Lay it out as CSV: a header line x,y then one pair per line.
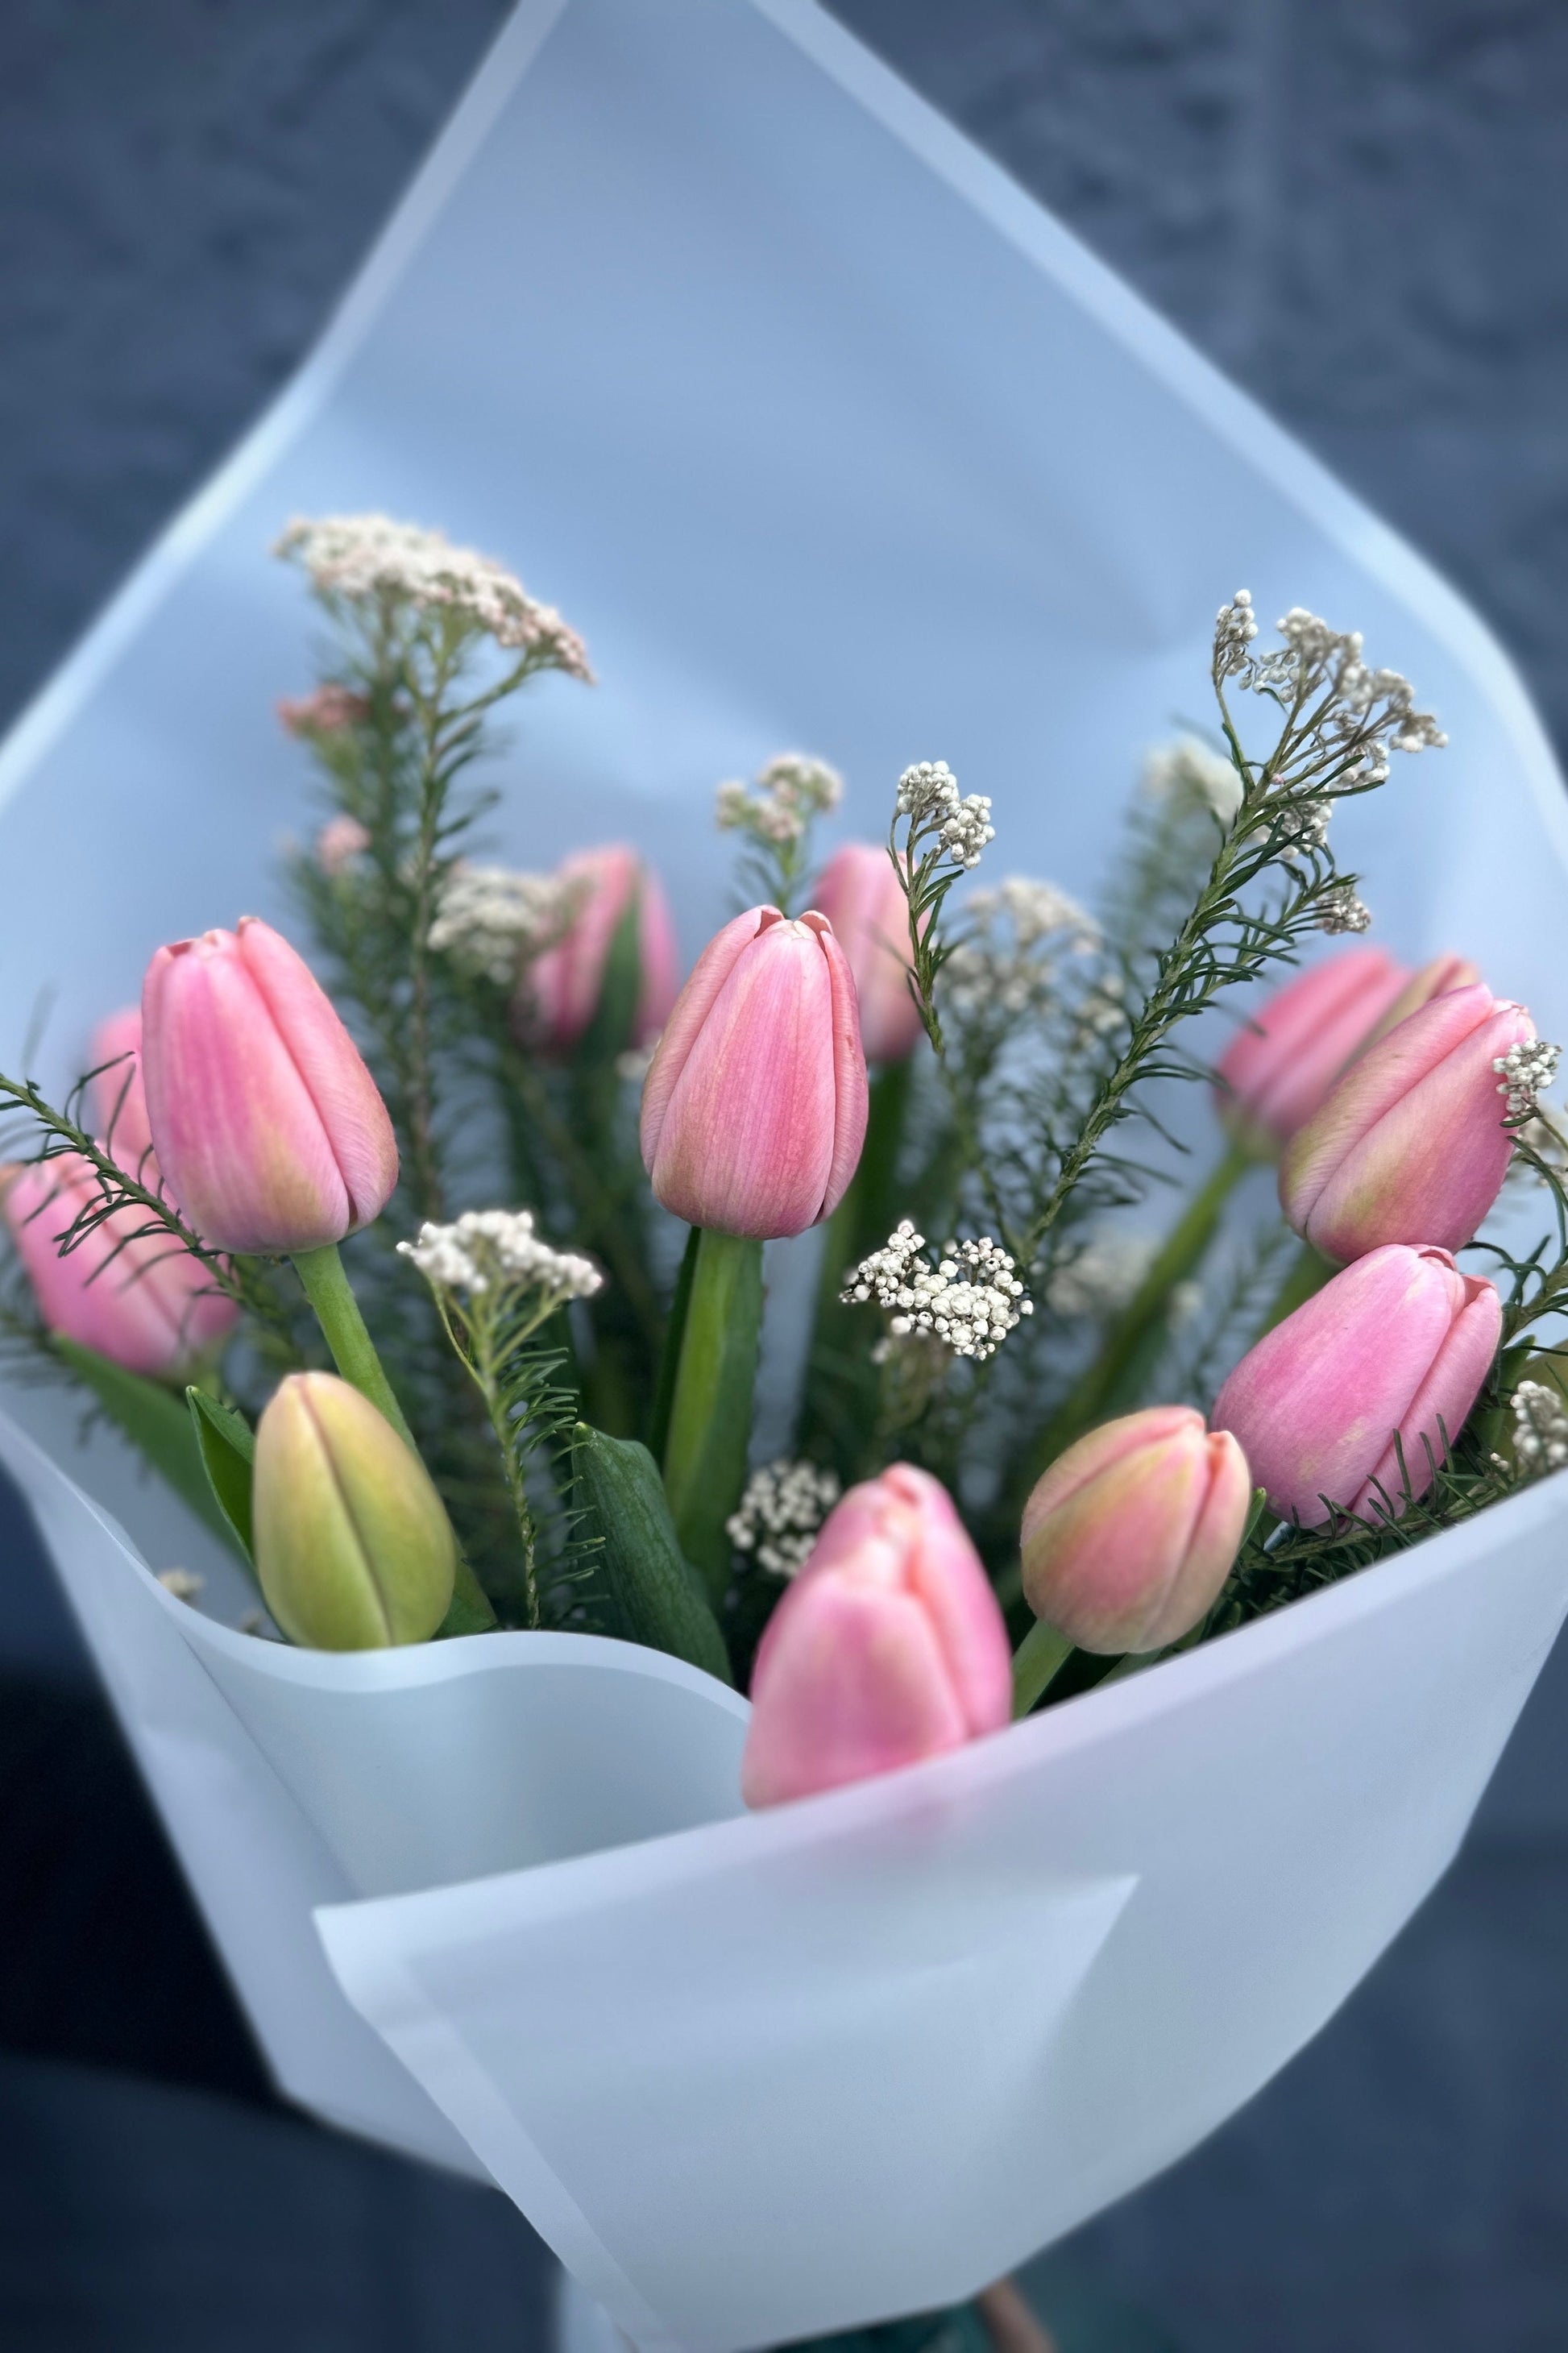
x,y
1354,206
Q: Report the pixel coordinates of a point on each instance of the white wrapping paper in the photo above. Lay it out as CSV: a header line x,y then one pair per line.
x,y
822,434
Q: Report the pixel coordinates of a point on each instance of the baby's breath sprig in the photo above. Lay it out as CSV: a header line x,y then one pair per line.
x,y
774,817
937,834
781,1510
969,1297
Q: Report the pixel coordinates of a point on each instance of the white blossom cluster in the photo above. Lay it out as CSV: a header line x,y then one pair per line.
x,y
1540,1429
1005,963
1236,626
786,796
491,918
487,1250
970,1300
1303,825
1340,910
928,797
1101,1277
1187,771
364,556
784,1506
1523,1072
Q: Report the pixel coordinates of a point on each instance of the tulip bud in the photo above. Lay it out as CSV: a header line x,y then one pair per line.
x,y
1277,1070
562,986
1382,1362
754,1108
1433,979
1129,1536
1410,1146
859,893
353,1548
137,1298
267,1125
889,1646
118,1095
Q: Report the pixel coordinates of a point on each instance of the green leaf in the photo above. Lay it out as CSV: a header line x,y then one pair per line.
x,y
227,1449
158,1424
658,1595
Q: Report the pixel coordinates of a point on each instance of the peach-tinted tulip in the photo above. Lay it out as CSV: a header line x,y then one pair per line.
x,y
561,989
119,1096
1129,1536
754,1108
353,1547
859,893
1395,1347
1410,1146
889,1646
1274,1073
144,1303
268,1127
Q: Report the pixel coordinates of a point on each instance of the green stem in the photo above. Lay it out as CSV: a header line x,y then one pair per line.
x,y
839,1400
327,1289
711,1411
1135,1337
1034,1663
1309,1272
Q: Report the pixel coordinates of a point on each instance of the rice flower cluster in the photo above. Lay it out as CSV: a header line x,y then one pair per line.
x,y
1540,1429
1523,1074
1187,771
490,1251
782,800
928,797
365,557
1005,963
491,918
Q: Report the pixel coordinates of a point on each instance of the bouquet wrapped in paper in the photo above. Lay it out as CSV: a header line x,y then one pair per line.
x,y
803,1576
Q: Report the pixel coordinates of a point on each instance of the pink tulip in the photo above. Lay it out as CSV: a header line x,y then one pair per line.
x,y
119,1096
1410,1146
1129,1536
889,1646
341,841
327,710
144,1303
754,1108
563,987
268,1126
1275,1074
859,893
1433,979
1396,1347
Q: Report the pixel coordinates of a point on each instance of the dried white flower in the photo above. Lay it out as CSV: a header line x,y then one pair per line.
x,y
487,1250
1005,962
928,797
1540,1430
1340,910
1364,711
1187,771
491,918
784,1506
365,557
1304,825
1523,1074
1236,626
970,1300
786,795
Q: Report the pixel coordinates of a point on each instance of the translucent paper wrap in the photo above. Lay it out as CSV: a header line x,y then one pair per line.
x,y
825,435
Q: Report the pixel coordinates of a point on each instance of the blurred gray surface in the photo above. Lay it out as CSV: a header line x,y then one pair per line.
x,y
1354,207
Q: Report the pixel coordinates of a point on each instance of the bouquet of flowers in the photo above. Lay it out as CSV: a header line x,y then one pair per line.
x,y
428,1265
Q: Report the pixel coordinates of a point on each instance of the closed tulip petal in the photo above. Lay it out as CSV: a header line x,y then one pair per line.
x,y
345,1097
860,894
1279,1069
563,987
1316,1404
1409,1146
754,1107
889,1647
118,1095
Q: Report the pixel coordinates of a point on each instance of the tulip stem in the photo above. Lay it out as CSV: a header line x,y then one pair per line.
x,y
1309,1270
1134,1339
337,1311
1034,1663
711,1411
